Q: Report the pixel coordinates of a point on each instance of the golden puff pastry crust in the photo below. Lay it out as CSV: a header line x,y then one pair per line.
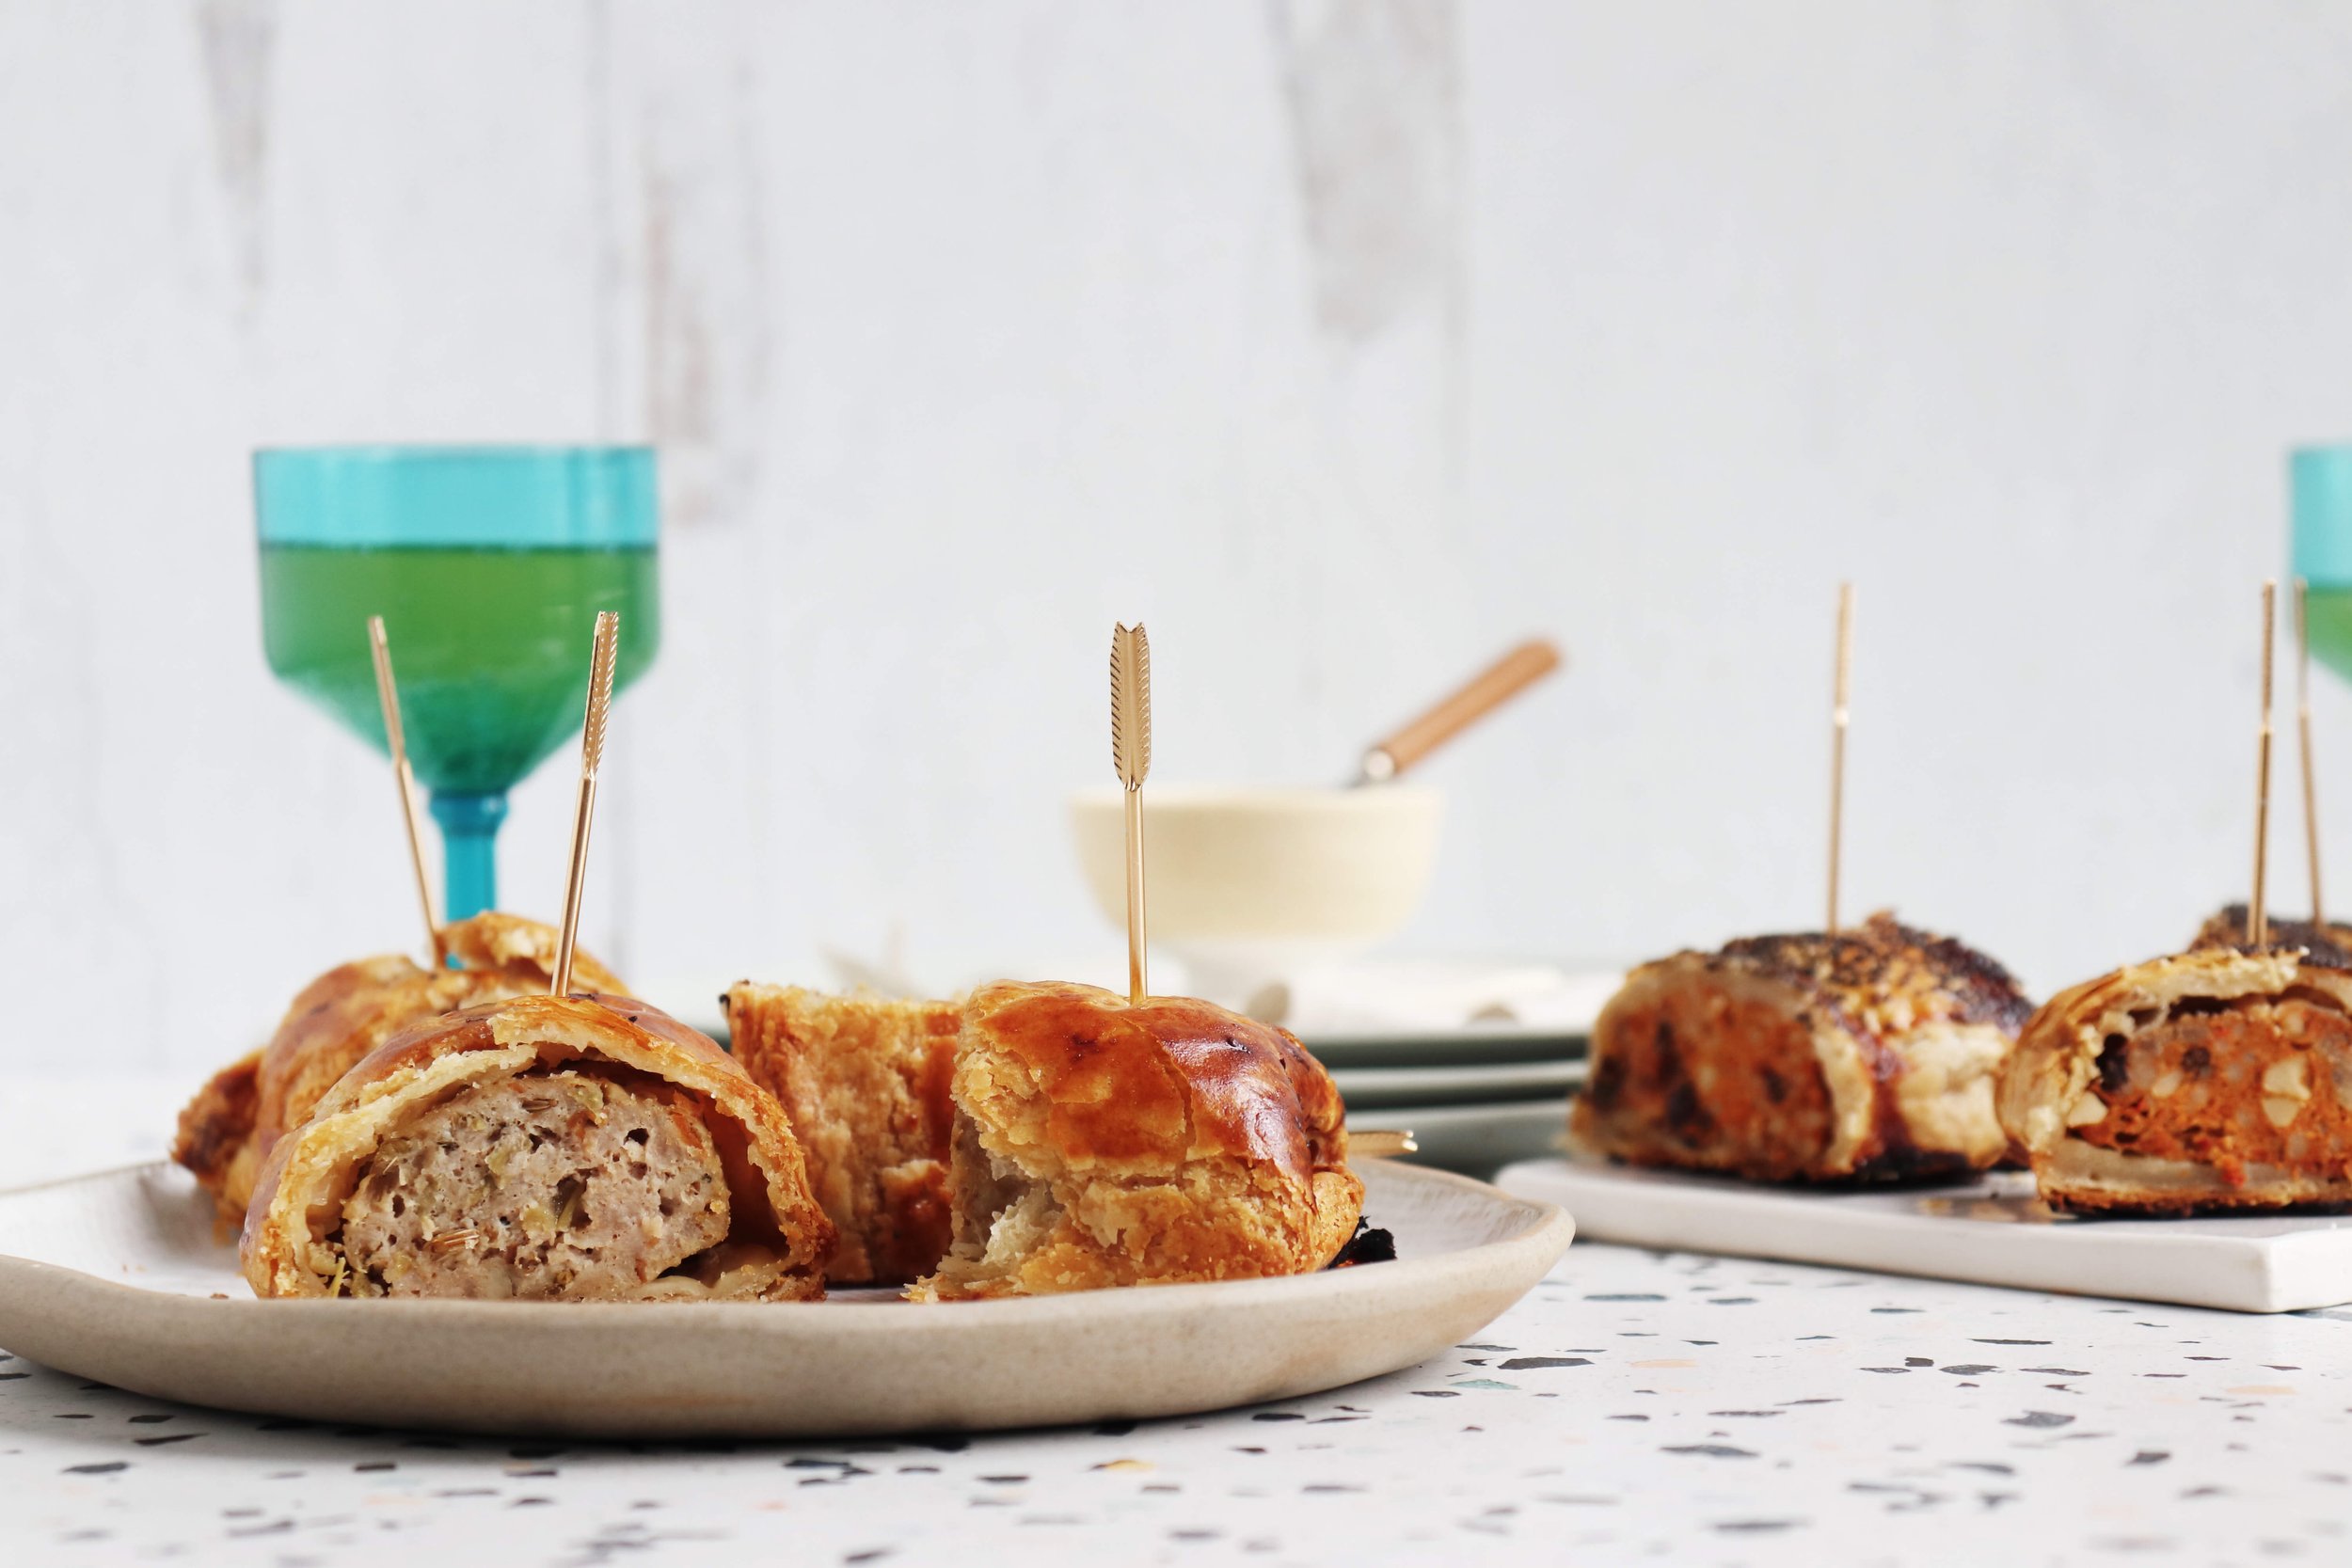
x,y
227,1131
482,1207
864,1082
2219,1079
1867,1055
1101,1143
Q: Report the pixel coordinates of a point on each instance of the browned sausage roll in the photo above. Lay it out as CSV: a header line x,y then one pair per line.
x,y
864,1082
549,1149
2218,1080
1101,1143
1867,1054
227,1131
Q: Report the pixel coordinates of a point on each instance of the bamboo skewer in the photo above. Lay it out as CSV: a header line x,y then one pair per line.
x,y
2303,741
1838,714
387,698
2257,919
1130,753
591,759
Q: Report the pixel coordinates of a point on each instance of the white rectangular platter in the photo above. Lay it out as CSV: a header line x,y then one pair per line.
x,y
1989,1231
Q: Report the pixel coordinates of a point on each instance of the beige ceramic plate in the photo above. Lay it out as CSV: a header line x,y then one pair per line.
x,y
112,1277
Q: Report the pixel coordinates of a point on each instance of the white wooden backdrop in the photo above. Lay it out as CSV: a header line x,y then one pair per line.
x,y
1340,341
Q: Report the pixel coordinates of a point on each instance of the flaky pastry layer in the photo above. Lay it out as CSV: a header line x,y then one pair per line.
x,y
864,1082
777,1239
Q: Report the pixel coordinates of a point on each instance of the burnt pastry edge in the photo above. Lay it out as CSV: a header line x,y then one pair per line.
x,y
2327,945
1882,955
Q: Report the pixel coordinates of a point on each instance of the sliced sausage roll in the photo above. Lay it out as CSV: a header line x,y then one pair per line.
x,y
2220,1079
1101,1143
546,1148
864,1082
1867,1054
229,1128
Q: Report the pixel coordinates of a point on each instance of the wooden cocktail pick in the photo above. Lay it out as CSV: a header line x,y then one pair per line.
x,y
1130,753
1838,711
1488,690
2303,740
2257,917
591,758
387,697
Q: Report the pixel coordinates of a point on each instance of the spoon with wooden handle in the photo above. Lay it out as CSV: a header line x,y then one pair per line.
x,y
1497,684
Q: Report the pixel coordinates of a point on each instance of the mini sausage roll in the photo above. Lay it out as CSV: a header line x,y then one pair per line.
x,y
2218,1080
546,1148
1867,1054
864,1082
1101,1143
229,1128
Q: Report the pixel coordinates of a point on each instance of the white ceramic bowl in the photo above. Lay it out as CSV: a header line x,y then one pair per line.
x,y
1248,886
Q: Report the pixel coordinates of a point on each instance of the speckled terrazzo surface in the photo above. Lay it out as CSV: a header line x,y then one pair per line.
x,y
1636,1407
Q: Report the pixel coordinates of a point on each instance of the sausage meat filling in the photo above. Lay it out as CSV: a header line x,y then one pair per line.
x,y
2228,1086
1731,1081
550,1186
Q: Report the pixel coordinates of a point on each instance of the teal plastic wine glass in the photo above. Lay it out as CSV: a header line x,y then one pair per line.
x,y
488,565
2319,484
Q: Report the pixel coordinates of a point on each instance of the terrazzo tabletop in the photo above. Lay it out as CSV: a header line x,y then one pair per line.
x,y
1636,1407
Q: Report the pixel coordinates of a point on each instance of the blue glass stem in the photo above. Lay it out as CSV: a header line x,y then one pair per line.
x,y
470,831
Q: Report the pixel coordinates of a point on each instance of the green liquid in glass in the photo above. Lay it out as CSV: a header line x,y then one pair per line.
x,y
2329,615
490,646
